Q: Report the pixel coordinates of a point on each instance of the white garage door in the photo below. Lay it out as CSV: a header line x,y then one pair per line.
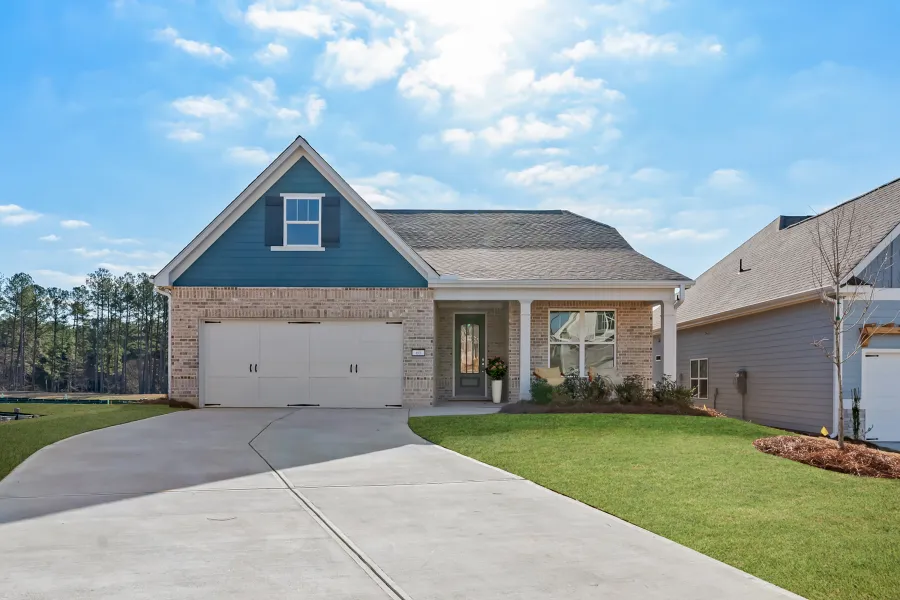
x,y
347,364
881,394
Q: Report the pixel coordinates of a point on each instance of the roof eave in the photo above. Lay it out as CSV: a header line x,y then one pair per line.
x,y
449,282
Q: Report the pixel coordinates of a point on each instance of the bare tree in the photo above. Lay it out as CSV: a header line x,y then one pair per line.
x,y
841,242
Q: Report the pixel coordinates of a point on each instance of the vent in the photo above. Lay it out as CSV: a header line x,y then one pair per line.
x,y
785,221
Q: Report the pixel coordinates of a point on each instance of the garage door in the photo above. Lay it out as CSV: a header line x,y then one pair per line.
x,y
347,364
881,394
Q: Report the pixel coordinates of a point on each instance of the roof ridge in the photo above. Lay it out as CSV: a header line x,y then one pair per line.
x,y
412,211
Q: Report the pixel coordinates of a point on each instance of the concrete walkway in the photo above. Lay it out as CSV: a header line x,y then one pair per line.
x,y
322,504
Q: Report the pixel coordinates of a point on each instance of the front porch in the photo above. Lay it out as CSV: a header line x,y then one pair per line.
x,y
599,336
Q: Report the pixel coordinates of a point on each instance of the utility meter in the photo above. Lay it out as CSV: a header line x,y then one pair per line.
x,y
740,381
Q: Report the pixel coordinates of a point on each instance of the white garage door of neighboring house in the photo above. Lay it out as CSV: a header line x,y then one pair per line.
x,y
348,364
881,393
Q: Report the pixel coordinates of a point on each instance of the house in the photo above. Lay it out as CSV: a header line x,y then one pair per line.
x,y
760,310
299,293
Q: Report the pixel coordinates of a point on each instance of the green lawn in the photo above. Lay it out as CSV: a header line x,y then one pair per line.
x,y
20,440
700,482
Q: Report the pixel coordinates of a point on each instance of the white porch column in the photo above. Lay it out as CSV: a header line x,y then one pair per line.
x,y
525,349
669,331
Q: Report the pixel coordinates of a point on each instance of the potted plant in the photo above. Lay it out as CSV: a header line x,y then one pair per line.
x,y
496,370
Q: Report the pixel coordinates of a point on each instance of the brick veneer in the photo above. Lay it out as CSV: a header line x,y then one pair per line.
x,y
634,340
413,306
445,339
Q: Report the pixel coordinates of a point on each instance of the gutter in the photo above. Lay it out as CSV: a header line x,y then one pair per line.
x,y
451,281
167,292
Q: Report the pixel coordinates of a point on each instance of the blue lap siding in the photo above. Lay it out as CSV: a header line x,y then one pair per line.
x,y
240,258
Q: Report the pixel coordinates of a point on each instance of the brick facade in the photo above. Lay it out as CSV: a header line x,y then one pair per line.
x,y
634,339
413,306
445,339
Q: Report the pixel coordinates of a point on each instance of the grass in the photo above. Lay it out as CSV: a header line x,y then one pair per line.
x,y
19,440
700,482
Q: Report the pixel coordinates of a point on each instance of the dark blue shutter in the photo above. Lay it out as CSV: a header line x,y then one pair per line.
x,y
274,235
331,221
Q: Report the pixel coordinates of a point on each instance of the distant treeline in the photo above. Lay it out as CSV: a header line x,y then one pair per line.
x,y
107,336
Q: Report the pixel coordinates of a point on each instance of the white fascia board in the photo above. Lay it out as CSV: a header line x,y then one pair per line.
x,y
448,283
300,148
886,294
229,215
878,249
599,294
798,298
367,212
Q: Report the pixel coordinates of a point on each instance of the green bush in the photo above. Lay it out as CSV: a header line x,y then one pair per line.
x,y
632,390
496,368
669,393
541,391
587,390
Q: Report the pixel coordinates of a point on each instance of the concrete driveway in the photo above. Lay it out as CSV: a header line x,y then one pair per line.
x,y
317,503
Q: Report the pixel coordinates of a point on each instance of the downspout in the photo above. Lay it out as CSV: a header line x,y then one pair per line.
x,y
167,292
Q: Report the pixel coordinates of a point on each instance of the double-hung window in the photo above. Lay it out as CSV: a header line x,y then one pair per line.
x,y
700,378
582,341
303,220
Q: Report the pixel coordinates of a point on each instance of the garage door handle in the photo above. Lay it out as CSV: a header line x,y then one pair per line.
x,y
357,368
251,367
256,370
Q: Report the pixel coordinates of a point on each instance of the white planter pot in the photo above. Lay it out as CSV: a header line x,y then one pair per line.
x,y
496,390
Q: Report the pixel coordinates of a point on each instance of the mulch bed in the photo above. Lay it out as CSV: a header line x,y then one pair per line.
x,y
855,458
530,408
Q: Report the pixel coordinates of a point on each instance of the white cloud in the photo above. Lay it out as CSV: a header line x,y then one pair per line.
x,y
554,174
92,253
120,241
458,139
193,47
50,238
314,107
58,278
651,175
564,82
669,234
249,155
272,53
308,21
634,44
185,134
355,63
581,51
726,180
551,151
391,189
73,224
121,269
14,215
204,107
511,130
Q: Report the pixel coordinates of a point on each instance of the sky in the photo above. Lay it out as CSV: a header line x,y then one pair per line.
x,y
128,125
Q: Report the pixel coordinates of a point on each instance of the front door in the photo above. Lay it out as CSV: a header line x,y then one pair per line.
x,y
468,356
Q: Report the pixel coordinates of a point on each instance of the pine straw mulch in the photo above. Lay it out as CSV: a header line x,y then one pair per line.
x,y
855,459
530,408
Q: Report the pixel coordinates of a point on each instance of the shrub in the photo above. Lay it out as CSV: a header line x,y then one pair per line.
x,y
496,368
631,390
589,390
669,393
541,391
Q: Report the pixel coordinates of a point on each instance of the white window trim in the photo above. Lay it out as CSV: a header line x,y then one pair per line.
x,y
284,224
582,343
698,378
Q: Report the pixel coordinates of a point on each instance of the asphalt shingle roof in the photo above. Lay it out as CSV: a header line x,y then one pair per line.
x,y
521,245
785,262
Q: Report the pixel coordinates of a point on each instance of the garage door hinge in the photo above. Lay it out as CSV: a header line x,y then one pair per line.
x,y
304,322
212,322
394,322
303,405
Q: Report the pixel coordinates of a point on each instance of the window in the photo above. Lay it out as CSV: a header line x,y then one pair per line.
x,y
583,340
302,220
700,378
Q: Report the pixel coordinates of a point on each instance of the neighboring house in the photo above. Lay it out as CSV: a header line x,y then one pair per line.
x,y
299,293
761,309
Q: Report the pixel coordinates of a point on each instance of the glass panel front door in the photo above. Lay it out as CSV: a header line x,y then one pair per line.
x,y
468,356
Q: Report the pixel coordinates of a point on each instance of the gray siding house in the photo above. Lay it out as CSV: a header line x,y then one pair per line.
x,y
761,310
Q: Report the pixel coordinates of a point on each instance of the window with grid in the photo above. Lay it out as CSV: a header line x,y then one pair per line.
x,y
302,222
700,378
582,341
